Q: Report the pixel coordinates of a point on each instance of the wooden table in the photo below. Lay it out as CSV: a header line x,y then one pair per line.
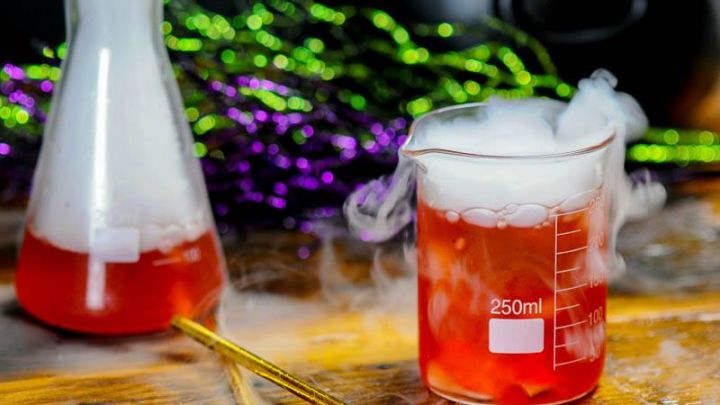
x,y
362,347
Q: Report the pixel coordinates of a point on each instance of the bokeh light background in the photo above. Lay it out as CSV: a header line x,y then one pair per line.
x,y
294,103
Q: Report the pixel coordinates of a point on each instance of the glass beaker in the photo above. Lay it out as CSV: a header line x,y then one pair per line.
x,y
119,236
513,257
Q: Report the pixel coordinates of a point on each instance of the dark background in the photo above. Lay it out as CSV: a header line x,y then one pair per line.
x,y
664,53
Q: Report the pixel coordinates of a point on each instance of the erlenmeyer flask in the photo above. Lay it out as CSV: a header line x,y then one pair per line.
x,y
119,234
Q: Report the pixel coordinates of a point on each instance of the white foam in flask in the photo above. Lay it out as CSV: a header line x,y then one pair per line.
x,y
116,176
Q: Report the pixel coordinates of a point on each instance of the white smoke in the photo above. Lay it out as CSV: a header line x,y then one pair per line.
x,y
125,182
385,302
485,188
381,208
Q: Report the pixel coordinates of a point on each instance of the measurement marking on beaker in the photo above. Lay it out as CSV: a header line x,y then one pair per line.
x,y
560,289
559,214
555,297
575,287
572,250
566,344
567,307
166,261
571,362
570,325
568,270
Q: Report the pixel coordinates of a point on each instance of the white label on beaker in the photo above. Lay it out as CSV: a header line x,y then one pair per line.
x,y
514,336
115,245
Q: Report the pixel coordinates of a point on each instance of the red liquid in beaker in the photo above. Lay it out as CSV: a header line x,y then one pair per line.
x,y
542,290
69,290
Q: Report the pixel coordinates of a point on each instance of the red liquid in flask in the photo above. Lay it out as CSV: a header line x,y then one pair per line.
x,y
69,290
551,276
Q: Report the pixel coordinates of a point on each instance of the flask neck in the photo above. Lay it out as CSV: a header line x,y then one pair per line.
x,y
113,20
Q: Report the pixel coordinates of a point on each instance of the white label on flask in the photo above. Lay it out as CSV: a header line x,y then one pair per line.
x,y
115,245
516,336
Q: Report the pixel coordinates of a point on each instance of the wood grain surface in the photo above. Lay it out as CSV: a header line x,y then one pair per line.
x,y
661,349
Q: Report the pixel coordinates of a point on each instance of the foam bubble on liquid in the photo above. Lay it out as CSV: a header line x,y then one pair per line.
x,y
519,192
117,153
